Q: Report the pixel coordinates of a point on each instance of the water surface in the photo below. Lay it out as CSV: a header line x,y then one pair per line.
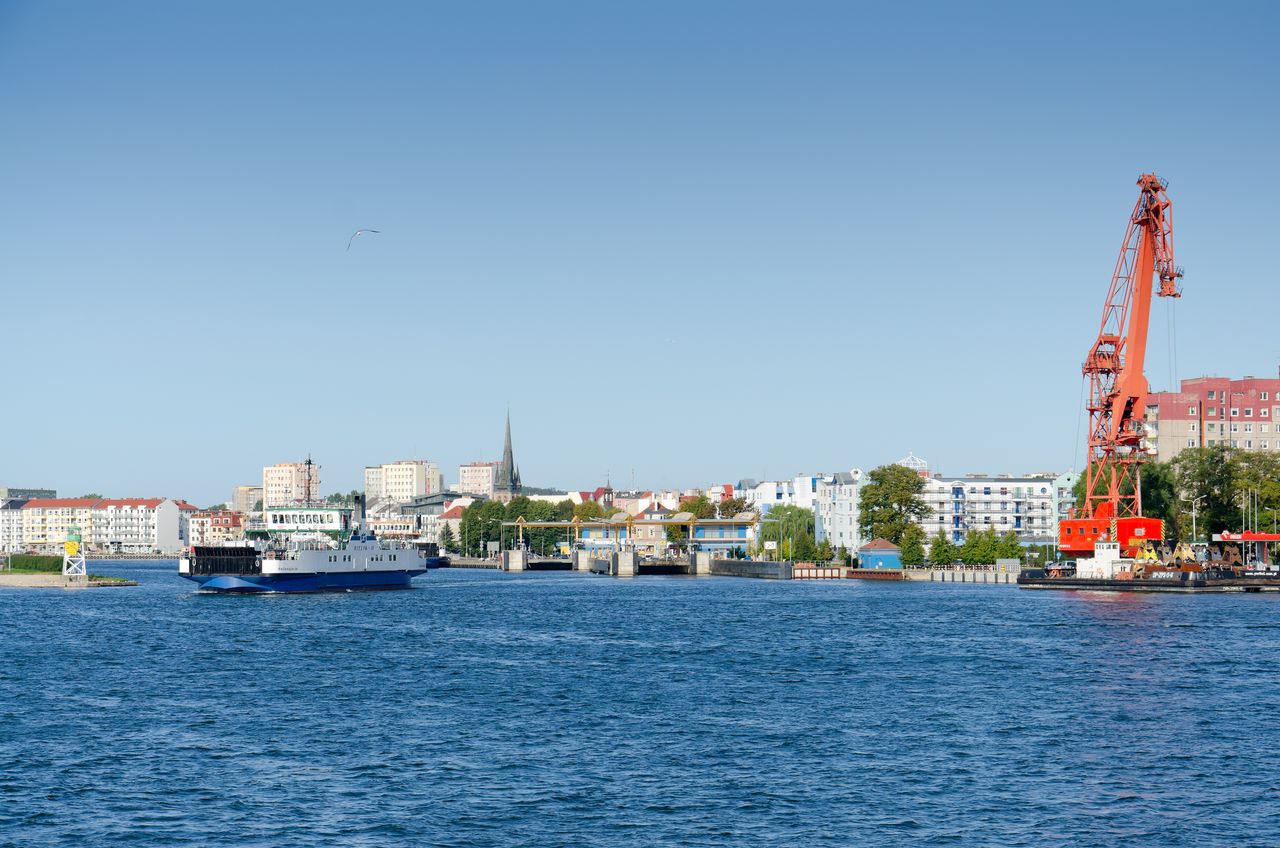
x,y
485,709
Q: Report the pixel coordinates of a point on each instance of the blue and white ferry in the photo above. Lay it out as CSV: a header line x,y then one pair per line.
x,y
306,548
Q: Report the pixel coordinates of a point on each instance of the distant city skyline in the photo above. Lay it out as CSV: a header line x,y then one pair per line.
x,y
697,242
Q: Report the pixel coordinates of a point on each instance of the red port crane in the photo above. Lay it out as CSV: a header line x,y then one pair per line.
x,y
1112,509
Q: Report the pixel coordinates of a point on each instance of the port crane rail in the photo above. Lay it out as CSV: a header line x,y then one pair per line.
x,y
1112,508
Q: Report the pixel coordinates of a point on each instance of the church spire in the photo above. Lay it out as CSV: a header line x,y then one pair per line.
x,y
507,486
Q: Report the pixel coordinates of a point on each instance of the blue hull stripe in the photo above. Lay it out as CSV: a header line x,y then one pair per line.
x,y
332,582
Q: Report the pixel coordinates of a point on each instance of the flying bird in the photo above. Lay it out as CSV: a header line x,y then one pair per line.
x,y
358,232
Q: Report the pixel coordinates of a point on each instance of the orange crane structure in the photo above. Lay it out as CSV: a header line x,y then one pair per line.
x,y
1112,509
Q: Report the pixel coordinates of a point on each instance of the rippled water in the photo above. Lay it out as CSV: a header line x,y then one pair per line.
x,y
563,709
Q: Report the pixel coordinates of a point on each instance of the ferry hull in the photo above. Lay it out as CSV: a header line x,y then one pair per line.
x,y
349,581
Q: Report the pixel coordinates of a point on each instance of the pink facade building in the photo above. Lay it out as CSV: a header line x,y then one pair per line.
x,y
1211,411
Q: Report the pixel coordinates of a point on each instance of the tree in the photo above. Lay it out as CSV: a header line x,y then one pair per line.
x,y
1207,477
912,545
518,507
588,511
700,506
1008,547
980,547
730,507
447,540
257,505
890,502
788,525
564,510
1258,486
481,523
824,552
942,551
94,495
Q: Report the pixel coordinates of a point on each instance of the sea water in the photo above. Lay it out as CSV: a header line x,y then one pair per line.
x,y
487,709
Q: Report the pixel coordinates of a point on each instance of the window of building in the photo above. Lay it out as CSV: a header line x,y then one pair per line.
x,y
1195,428
1248,413
1263,428
1211,394
1235,412
1213,411
1264,413
1191,443
1265,396
1248,443
1212,442
1264,445
1191,410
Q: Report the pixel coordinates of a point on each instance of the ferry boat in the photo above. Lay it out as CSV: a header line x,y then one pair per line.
x,y
306,546
305,565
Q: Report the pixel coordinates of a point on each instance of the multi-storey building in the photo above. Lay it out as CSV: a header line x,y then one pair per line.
x,y
140,525
835,509
46,521
290,483
215,527
11,525
402,481
1026,505
1209,411
245,498
7,493
477,478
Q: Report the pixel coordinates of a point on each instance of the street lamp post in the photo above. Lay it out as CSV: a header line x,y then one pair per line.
x,y
1194,503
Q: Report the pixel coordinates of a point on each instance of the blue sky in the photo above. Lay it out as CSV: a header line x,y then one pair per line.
x,y
697,241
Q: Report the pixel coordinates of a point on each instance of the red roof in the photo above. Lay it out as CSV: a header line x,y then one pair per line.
x,y
59,503
150,503
879,545
184,505
452,512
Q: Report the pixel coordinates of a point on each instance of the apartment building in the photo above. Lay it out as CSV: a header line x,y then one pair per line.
x,y
290,483
10,493
1210,411
244,498
478,478
46,521
1026,505
11,525
140,525
402,481
216,527
835,509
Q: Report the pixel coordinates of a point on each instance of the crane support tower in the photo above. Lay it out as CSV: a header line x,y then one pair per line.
x,y
1112,508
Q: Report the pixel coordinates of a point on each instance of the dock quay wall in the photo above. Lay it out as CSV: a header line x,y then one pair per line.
x,y
750,568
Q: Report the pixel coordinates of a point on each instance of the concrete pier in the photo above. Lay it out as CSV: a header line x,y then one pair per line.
x,y
581,560
516,560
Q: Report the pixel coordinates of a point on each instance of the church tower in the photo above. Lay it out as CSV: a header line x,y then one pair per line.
x,y
507,484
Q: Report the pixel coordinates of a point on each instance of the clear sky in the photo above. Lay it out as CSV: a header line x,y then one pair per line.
x,y
695,241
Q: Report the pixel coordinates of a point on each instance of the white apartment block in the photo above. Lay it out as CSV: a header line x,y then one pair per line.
x,y
286,484
835,509
1026,505
244,498
140,525
402,481
477,478
11,525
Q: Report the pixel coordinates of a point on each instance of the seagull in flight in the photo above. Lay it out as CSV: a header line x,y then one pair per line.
x,y
358,232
